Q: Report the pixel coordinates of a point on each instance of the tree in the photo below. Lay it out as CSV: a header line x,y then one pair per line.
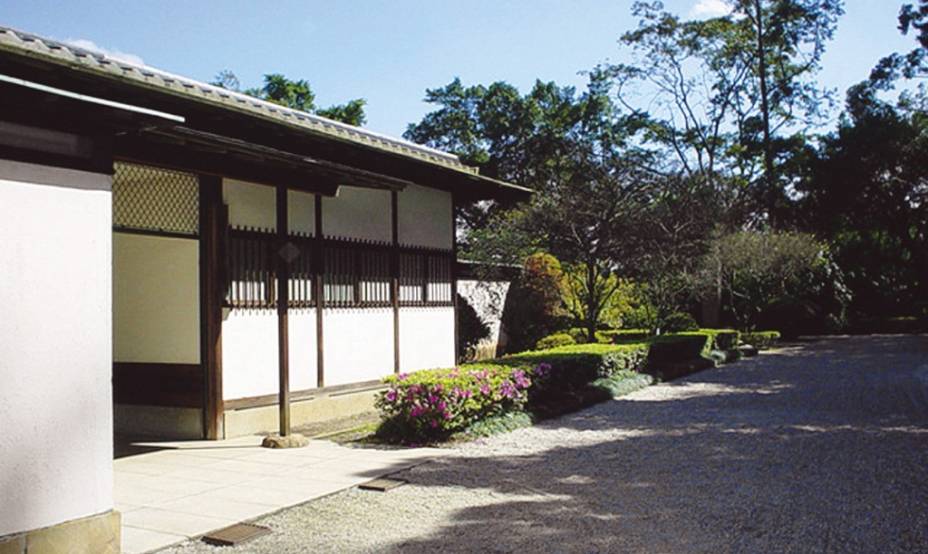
x,y
914,64
771,272
533,306
573,150
867,191
722,92
295,94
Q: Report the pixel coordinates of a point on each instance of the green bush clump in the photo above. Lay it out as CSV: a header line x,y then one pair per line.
x,y
555,340
761,340
500,423
679,347
433,404
583,363
625,335
679,321
579,334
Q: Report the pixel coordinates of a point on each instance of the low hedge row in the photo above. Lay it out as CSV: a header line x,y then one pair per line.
x,y
432,405
761,340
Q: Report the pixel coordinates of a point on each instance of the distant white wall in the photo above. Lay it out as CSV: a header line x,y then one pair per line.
x,y
426,338
55,346
249,352
424,217
156,299
487,298
358,345
357,213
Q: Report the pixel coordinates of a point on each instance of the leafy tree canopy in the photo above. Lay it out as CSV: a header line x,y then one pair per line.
x,y
295,94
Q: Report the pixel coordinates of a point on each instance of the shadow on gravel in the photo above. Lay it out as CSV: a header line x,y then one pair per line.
x,y
818,447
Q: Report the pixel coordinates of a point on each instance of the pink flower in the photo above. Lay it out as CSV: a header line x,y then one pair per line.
x,y
485,389
390,396
402,376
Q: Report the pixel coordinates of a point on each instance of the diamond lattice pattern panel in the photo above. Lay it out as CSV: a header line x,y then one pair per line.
x,y
153,199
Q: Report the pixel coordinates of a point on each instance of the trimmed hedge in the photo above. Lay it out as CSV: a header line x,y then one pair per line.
x,y
761,340
555,340
505,393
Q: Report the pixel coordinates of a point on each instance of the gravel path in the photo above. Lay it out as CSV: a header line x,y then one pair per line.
x,y
816,448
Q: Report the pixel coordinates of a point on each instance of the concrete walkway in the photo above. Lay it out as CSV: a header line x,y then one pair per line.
x,y
186,489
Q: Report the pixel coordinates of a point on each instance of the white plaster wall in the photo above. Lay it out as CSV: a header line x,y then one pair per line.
x,y
249,352
156,299
254,205
301,212
55,346
358,345
424,217
358,213
426,338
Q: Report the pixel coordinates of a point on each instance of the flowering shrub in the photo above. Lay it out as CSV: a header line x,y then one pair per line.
x,y
432,404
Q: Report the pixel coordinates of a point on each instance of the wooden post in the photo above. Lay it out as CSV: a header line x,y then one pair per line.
x,y
454,278
213,223
395,278
283,301
319,289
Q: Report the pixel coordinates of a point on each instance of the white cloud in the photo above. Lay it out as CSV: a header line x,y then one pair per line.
x,y
113,54
710,8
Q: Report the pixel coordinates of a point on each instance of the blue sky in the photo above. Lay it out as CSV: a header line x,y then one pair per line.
x,y
389,52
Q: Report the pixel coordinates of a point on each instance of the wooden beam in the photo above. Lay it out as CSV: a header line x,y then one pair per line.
x,y
395,277
319,290
213,221
283,301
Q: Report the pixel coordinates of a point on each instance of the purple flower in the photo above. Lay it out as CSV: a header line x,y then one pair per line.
x,y
508,389
416,411
522,381
542,369
485,389
390,396
402,376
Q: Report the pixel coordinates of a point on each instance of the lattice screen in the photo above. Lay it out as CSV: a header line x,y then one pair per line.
x,y
151,199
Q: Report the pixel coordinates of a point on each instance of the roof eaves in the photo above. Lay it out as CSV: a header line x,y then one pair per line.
x,y
84,60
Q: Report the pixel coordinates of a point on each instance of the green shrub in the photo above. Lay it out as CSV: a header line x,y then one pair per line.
x,y
533,307
679,321
555,340
583,363
761,340
432,404
579,334
679,347
500,423
623,383
625,335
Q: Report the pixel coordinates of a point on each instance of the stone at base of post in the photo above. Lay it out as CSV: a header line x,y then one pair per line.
x,y
294,440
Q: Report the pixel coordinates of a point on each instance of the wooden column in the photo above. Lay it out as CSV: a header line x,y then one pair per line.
x,y
395,277
319,289
454,278
283,301
213,223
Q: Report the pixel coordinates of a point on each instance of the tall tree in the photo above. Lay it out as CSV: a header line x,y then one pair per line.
x,y
913,64
295,94
572,149
724,94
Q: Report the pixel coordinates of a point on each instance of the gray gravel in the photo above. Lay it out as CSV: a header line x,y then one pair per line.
x,y
821,447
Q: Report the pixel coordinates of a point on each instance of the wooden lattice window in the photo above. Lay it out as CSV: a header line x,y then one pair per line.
x,y
154,200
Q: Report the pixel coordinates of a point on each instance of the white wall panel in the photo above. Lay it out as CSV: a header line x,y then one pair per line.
x,y
426,338
424,217
249,352
250,205
358,345
55,346
156,299
357,213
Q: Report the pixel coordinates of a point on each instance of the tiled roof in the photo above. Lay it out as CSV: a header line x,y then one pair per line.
x,y
80,59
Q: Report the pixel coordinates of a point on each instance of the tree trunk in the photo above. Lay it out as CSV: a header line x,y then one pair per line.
x,y
769,193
